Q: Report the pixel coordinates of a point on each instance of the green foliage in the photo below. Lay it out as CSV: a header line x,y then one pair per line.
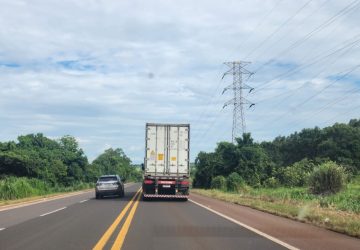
x,y
285,160
55,165
348,199
234,182
298,173
206,163
253,161
114,161
218,182
271,182
21,187
328,178
40,157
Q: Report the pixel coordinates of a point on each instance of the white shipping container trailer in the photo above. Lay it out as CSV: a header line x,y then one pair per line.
x,y
166,165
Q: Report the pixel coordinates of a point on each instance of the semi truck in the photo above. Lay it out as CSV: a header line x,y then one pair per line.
x,y
166,162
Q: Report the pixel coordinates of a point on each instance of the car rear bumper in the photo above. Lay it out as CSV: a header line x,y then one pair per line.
x,y
108,191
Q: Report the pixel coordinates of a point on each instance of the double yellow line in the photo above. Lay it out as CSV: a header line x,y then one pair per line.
x,y
119,241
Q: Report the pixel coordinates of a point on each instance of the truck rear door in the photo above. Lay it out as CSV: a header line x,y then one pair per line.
x,y
167,149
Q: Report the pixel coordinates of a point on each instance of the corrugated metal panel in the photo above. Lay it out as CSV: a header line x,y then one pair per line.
x,y
167,149
183,157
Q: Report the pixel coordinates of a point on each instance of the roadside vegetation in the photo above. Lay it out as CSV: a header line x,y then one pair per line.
x,y
311,176
36,165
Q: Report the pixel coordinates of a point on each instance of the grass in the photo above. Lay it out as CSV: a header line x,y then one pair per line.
x,y
339,212
14,188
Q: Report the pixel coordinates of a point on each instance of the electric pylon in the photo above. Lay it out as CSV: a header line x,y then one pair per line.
x,y
237,70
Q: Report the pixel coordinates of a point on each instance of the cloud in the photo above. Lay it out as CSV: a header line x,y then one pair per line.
x,y
99,70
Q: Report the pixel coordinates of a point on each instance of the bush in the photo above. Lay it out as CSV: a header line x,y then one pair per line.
x,y
271,182
297,174
234,182
218,182
21,187
328,178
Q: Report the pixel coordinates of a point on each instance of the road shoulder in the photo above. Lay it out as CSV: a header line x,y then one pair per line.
x,y
298,234
44,198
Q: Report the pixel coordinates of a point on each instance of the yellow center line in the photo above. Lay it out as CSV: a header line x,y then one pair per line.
x,y
125,228
101,243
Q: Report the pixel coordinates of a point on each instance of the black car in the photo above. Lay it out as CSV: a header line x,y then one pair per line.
x,y
109,185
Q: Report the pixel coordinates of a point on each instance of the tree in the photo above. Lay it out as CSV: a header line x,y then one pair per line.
x,y
253,161
113,161
74,158
205,168
228,158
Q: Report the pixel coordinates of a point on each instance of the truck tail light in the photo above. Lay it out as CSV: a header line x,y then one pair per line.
x,y
148,181
184,183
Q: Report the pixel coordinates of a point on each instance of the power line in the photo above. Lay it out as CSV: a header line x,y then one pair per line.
x,y
333,102
278,29
320,57
260,23
297,89
286,34
332,83
328,86
350,7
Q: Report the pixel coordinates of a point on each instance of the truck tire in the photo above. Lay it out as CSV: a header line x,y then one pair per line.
x,y
97,196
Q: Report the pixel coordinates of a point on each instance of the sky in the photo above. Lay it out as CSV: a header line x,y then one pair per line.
x,y
99,70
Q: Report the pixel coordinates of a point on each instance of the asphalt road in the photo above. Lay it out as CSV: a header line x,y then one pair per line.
x,y
82,222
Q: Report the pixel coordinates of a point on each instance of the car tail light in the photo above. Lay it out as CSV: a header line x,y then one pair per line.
x,y
148,181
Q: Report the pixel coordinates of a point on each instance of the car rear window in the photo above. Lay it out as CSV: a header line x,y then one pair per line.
x,y
108,178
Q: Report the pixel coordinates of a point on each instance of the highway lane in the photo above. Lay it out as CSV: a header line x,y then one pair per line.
x,y
184,225
12,216
153,224
130,223
79,226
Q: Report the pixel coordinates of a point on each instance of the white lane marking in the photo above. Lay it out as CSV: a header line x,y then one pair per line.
x,y
83,201
247,227
42,200
2,228
53,211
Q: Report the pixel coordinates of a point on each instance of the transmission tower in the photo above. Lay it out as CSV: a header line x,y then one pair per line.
x,y
238,101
